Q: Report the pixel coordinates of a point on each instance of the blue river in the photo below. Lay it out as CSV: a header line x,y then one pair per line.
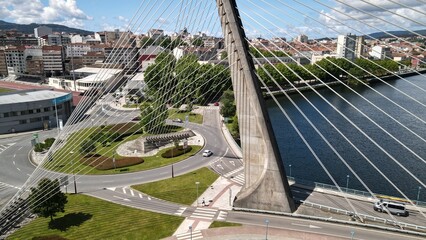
x,y
401,165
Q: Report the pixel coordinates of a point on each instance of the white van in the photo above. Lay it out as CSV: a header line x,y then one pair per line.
x,y
396,208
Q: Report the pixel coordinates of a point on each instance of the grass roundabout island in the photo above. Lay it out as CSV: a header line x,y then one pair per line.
x,y
94,151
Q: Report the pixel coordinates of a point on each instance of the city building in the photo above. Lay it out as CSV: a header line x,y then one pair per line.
x,y
202,53
34,65
42,31
58,39
33,109
346,46
359,46
125,57
380,52
53,60
155,34
87,78
302,38
93,57
15,59
3,64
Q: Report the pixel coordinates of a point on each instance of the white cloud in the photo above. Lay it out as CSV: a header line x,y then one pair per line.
x,y
360,16
63,12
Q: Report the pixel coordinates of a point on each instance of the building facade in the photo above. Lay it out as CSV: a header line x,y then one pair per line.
x,y
33,109
346,46
53,59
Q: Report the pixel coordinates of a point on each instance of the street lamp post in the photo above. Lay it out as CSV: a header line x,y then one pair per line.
x,y
290,169
73,173
418,195
92,121
347,182
352,235
197,183
267,225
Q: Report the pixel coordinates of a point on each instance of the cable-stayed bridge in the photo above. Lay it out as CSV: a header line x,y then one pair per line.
x,y
189,71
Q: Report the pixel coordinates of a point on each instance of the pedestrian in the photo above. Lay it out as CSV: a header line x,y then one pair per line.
x,y
203,203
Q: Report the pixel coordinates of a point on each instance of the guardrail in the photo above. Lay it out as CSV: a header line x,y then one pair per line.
x,y
401,227
345,190
363,217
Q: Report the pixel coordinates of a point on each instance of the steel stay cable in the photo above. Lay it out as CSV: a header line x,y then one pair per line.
x,y
376,124
388,33
327,142
381,110
366,135
364,45
194,91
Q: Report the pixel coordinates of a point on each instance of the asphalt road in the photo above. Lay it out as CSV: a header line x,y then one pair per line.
x,y
15,170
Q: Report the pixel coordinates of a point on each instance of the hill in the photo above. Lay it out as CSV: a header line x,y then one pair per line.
x,y
396,33
29,28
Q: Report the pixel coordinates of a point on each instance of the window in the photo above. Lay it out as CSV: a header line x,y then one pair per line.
x,y
14,114
38,110
24,112
5,115
22,121
47,109
38,119
31,111
46,118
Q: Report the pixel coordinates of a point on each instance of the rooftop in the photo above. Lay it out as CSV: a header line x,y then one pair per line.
x,y
29,96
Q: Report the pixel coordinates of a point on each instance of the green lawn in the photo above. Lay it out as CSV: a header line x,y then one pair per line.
x,y
192,117
68,156
90,218
217,224
3,90
181,189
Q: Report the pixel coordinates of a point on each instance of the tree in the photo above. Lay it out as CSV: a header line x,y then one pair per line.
x,y
88,146
47,199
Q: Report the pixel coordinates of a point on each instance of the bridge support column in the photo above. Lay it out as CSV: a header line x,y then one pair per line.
x,y
266,186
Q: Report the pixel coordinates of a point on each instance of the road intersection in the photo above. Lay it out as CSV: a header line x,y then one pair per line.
x,y
16,169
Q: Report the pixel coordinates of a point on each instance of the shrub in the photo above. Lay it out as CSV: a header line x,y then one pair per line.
x,y
39,147
174,152
48,142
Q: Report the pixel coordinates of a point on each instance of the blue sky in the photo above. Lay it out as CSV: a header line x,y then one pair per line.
x,y
266,18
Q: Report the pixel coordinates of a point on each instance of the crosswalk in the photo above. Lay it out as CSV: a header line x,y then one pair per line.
x,y
204,213
3,147
236,176
129,191
190,235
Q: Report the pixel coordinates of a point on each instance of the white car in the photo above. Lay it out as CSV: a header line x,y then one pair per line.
x,y
207,153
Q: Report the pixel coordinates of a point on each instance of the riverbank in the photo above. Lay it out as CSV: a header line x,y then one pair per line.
x,y
318,85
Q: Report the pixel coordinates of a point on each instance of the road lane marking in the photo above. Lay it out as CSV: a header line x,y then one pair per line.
x,y
131,192
20,148
303,225
124,199
14,163
14,155
18,169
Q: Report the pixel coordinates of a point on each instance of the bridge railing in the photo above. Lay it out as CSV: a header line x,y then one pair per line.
x,y
313,185
364,217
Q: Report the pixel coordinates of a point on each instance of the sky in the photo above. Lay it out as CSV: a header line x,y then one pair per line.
x,y
262,18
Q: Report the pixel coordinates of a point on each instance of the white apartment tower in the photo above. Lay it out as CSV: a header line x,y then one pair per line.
x,y
346,45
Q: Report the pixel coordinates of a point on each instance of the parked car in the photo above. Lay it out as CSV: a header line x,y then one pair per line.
x,y
207,153
396,208
178,120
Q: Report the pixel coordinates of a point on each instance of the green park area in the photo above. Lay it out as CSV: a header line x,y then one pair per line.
x,y
181,189
3,90
87,217
100,155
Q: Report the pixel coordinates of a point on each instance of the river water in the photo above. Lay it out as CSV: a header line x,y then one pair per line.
x,y
304,165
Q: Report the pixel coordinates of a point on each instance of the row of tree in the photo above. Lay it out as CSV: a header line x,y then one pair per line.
x,y
177,82
327,70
